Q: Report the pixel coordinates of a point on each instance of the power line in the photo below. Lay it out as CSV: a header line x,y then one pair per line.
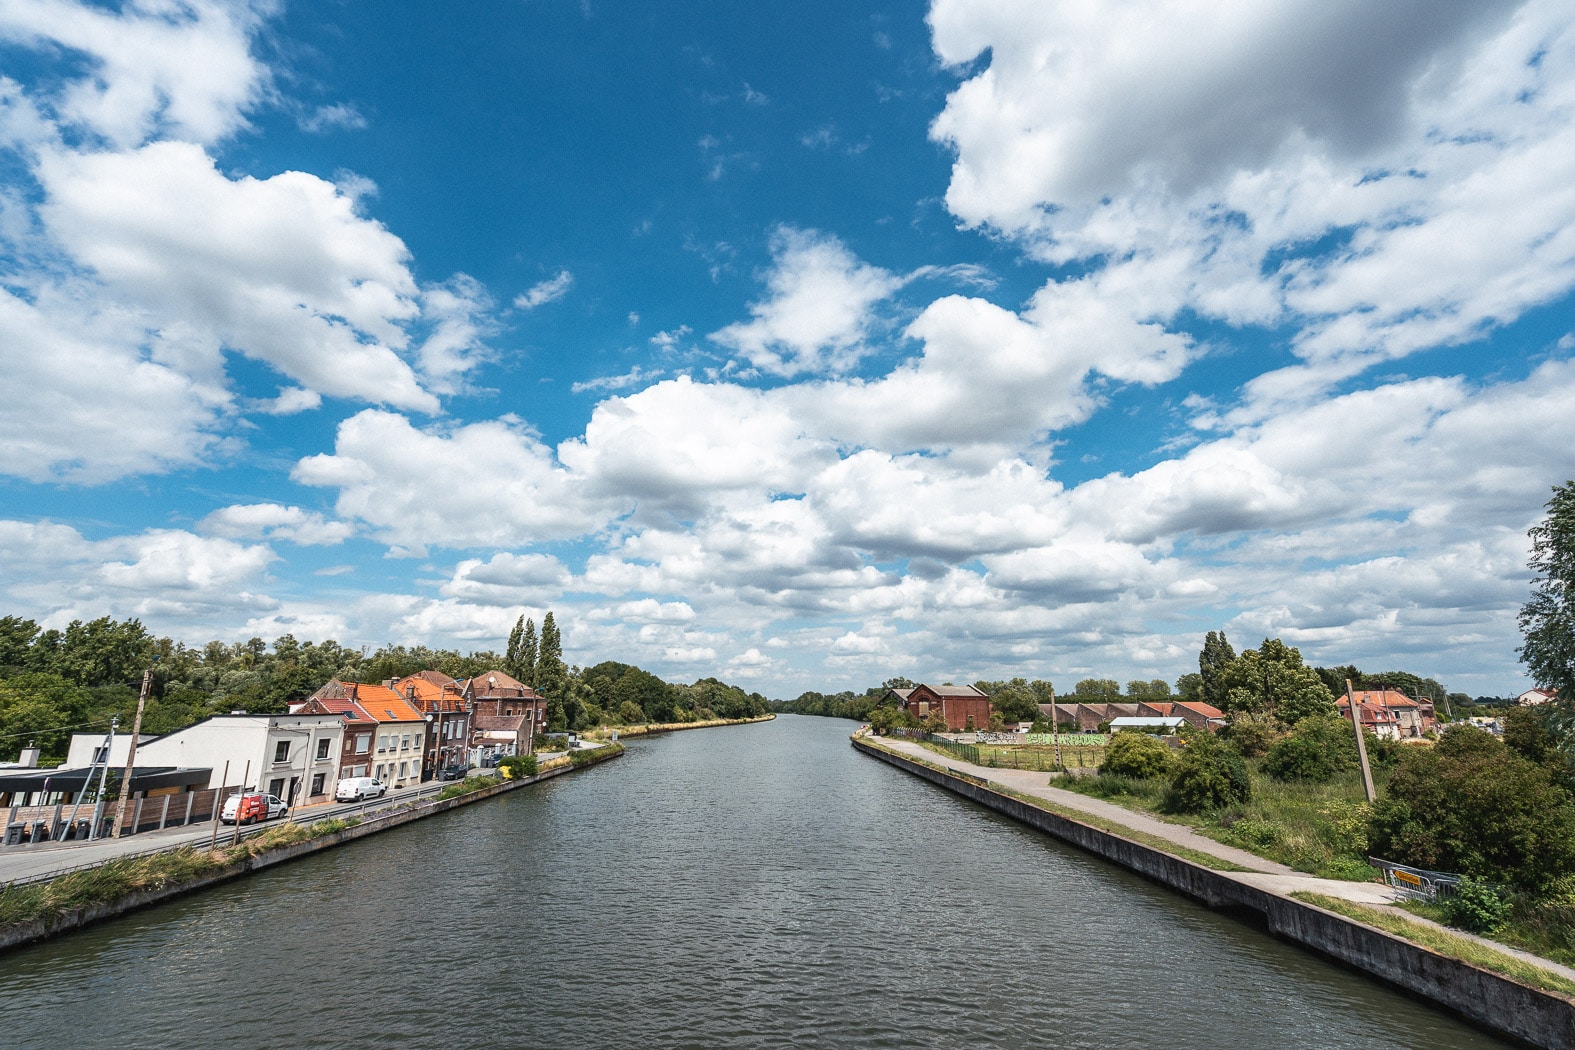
x,y
55,729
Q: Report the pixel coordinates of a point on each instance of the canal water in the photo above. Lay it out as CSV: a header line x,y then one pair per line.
x,y
755,886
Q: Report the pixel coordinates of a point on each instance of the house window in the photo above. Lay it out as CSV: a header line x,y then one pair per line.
x,y
100,755
281,753
404,742
404,768
382,743
317,783
322,749
416,741
363,743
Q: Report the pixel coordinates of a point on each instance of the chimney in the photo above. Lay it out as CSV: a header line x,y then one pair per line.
x,y
28,759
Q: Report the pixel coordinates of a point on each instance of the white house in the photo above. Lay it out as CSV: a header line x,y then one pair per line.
x,y
295,757
1533,697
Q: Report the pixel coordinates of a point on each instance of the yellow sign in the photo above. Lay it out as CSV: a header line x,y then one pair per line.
x,y
1407,878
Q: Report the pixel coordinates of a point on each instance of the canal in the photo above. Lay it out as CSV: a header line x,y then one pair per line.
x,y
756,886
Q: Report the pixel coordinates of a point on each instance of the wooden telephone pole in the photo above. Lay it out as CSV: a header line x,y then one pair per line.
x,y
131,753
1361,744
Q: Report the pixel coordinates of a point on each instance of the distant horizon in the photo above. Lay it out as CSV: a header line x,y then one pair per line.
x,y
791,346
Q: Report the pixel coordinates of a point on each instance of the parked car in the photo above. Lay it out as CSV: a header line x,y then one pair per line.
x,y
250,808
357,789
454,773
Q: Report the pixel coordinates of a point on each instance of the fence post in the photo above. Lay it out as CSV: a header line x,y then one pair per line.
x,y
164,814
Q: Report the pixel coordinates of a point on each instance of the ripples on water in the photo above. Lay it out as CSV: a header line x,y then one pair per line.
x,y
759,886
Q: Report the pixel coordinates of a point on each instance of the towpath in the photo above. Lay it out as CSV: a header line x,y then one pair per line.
x,y
1263,874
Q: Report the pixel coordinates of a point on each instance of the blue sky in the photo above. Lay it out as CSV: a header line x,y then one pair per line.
x,y
803,346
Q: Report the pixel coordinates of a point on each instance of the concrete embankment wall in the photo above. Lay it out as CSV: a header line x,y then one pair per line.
x,y
29,932
1497,1003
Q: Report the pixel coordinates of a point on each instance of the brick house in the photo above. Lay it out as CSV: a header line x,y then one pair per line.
x,y
1195,713
1412,718
399,739
505,713
355,750
963,707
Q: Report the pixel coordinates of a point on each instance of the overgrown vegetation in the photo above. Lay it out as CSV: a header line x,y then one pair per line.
x,y
466,786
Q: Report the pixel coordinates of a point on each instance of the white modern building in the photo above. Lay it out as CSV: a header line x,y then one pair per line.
x,y
295,757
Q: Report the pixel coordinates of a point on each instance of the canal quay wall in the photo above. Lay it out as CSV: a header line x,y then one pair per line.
x,y
75,919
1503,1006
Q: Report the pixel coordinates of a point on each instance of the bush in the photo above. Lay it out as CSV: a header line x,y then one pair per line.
x,y
1208,776
1317,749
1476,907
517,767
1251,735
1473,806
1136,755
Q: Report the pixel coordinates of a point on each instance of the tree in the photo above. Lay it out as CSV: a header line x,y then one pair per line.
x,y
552,677
1139,755
1473,806
1547,621
1208,776
1272,679
1014,701
1189,687
511,651
1317,749
1098,689
1217,655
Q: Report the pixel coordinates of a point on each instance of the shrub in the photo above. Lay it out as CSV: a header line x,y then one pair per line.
x,y
1317,749
1208,776
1476,907
517,767
1473,806
1251,735
1136,755
1255,833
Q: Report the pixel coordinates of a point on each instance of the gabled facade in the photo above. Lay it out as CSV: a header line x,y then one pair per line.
x,y
1377,719
505,714
1412,718
442,704
964,708
1534,697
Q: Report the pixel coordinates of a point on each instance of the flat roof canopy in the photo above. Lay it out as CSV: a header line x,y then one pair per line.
x,y
143,778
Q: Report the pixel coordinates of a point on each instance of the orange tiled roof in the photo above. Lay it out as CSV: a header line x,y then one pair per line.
x,y
333,705
1199,707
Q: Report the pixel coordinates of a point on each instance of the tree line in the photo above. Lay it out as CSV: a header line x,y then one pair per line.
x,y
55,682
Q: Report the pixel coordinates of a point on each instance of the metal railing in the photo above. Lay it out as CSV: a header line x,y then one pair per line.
x,y
231,835
1416,884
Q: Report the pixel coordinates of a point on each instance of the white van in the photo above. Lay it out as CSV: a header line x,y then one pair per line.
x,y
355,789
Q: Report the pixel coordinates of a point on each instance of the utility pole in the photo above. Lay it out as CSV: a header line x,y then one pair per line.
x,y
131,752
1361,744
1055,730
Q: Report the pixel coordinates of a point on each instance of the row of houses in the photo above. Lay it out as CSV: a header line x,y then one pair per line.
x,y
402,731
1087,718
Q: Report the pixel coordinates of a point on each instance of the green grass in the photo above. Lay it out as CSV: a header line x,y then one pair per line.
x,y
1315,828
1447,944
468,785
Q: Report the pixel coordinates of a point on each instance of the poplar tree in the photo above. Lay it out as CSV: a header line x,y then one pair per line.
x,y
552,677
1217,655
1547,621
511,653
527,655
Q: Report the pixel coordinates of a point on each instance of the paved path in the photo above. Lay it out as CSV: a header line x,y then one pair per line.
x,y
1266,875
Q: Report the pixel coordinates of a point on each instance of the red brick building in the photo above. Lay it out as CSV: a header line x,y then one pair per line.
x,y
963,707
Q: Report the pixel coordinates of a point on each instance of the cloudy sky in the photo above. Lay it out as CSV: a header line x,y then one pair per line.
x,y
800,344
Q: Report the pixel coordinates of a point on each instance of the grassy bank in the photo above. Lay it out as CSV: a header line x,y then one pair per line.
x,y
1447,944
1198,857
605,732
1315,828
116,879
